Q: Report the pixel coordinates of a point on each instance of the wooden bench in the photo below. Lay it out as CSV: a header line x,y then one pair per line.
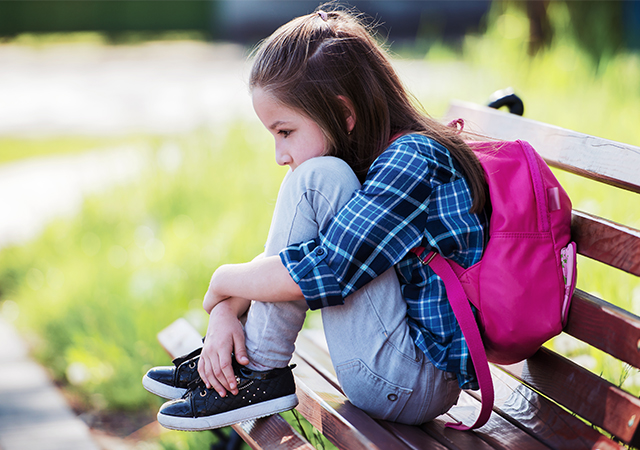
x,y
547,401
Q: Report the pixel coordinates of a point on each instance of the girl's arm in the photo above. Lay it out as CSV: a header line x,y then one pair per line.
x,y
263,280
377,228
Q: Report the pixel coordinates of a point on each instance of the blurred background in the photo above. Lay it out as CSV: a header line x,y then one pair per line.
x,y
131,163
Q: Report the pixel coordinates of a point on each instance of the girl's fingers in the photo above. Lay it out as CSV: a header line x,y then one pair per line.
x,y
226,375
240,348
207,373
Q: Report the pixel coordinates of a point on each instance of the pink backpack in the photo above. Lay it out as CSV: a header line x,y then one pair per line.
x,y
523,284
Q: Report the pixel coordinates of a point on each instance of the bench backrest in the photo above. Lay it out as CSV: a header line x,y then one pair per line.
x,y
591,320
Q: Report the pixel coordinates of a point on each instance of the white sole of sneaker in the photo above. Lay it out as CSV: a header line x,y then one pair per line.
x,y
161,389
250,412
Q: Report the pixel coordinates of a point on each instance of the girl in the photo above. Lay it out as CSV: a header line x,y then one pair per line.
x,y
341,117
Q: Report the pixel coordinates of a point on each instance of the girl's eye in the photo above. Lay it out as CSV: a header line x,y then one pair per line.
x,y
284,133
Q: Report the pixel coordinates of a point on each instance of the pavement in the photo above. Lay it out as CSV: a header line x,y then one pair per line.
x,y
33,413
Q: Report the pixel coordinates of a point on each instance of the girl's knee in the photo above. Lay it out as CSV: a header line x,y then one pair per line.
x,y
323,184
326,173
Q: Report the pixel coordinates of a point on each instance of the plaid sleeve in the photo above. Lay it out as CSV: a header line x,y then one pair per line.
x,y
373,231
305,263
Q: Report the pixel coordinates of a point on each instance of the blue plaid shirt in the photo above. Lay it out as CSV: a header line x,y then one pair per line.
x,y
414,194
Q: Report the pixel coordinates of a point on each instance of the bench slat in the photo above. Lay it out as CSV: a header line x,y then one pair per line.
x,y
589,396
271,432
606,241
330,412
605,326
413,437
497,432
540,417
600,159
454,439
312,342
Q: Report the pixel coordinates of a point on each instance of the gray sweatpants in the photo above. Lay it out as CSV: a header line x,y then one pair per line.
x,y
378,365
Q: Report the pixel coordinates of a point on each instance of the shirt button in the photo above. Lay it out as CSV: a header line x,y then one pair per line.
x,y
319,251
392,397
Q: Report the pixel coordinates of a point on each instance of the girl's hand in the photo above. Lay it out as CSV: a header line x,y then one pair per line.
x,y
225,336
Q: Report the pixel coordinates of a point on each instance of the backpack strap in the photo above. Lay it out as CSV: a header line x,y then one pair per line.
x,y
466,319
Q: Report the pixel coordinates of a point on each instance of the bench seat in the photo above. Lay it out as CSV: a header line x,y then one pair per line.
x,y
545,402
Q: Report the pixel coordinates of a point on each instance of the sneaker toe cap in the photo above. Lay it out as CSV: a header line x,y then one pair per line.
x,y
177,408
164,375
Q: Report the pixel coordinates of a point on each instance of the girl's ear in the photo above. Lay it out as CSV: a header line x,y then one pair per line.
x,y
349,112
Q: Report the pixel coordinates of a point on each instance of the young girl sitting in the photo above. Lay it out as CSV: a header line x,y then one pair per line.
x,y
371,178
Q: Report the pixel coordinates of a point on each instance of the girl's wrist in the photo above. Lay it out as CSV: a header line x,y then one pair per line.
x,y
234,306
222,309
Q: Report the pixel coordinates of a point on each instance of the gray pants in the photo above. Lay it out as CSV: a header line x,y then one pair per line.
x,y
378,365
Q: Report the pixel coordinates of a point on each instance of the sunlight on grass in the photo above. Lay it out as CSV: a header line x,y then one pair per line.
x,y
93,292
19,148
560,86
40,40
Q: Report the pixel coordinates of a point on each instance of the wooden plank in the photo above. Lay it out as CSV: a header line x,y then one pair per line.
x,y
413,437
307,350
600,159
179,338
272,432
454,439
311,345
497,433
545,420
608,242
334,416
586,394
605,326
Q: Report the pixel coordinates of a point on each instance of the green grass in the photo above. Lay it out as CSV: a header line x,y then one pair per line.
x,y
91,293
42,40
19,148
96,290
560,86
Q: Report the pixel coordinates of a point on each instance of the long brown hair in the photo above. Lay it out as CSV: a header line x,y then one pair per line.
x,y
313,60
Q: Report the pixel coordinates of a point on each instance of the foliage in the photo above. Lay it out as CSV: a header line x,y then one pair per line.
x,y
18,148
560,85
95,291
307,431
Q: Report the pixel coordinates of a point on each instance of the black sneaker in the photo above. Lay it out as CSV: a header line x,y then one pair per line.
x,y
260,394
173,382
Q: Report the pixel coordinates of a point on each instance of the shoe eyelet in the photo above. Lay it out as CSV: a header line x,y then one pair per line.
x,y
192,365
203,393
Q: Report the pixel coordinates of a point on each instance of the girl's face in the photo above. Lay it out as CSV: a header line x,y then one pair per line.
x,y
297,137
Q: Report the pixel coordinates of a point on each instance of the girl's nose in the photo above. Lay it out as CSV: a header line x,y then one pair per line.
x,y
282,157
